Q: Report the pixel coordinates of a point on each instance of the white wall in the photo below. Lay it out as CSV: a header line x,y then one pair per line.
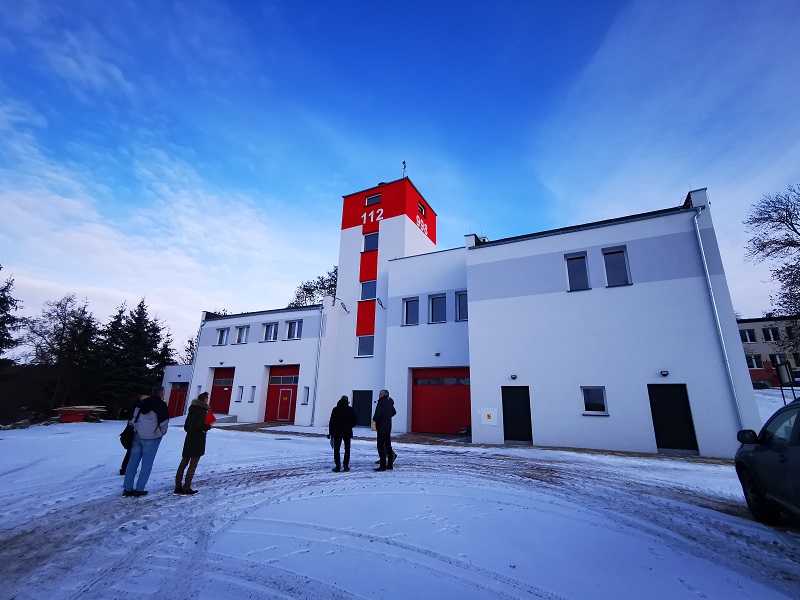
x,y
253,359
415,346
524,322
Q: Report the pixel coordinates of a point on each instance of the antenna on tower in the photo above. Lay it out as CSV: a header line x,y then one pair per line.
x,y
404,169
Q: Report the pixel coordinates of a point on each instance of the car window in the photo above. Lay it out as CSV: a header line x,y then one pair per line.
x,y
778,432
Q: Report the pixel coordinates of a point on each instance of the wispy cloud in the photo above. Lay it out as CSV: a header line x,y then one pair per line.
x,y
659,110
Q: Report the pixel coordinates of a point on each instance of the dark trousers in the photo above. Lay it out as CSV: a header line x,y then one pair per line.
x,y
337,444
192,464
385,449
125,462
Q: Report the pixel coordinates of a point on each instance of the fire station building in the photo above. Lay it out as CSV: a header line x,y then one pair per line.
x,y
613,335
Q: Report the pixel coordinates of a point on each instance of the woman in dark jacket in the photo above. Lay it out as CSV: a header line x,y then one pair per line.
x,y
343,419
195,444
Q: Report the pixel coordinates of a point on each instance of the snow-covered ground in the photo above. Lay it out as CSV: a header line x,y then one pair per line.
x,y
451,521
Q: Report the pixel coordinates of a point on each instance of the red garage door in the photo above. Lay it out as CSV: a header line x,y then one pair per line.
x,y
440,400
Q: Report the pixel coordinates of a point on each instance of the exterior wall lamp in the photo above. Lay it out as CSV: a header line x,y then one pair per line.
x,y
664,373
513,377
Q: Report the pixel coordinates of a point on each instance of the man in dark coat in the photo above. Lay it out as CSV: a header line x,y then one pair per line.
x,y
382,418
340,427
194,446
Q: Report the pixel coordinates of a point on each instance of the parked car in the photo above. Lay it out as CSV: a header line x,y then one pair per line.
x,y
768,466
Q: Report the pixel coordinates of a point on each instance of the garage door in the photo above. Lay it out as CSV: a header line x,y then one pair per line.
x,y
440,400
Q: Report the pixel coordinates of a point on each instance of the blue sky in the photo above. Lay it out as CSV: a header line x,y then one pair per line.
x,y
195,153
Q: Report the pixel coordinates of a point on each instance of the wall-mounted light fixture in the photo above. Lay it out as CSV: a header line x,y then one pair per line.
x,y
664,373
437,353
513,377
221,363
280,360
380,303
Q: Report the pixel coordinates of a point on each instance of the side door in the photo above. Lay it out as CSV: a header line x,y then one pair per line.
x,y
777,455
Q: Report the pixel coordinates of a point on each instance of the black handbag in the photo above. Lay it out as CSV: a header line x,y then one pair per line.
x,y
126,437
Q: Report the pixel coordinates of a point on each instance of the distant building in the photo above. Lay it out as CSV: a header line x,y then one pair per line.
x,y
615,335
764,341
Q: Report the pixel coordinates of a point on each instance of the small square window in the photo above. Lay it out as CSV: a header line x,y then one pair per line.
x,y
371,242
368,289
270,332
222,336
461,306
616,266
241,334
438,309
373,199
577,272
747,335
594,400
294,330
411,311
754,361
366,345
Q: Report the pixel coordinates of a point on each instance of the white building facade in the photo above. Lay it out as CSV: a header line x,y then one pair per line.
x,y
616,335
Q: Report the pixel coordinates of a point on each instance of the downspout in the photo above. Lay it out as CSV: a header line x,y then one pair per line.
x,y
316,369
699,210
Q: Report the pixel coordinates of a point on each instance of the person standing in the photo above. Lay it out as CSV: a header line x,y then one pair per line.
x,y
382,418
151,426
127,458
343,419
194,446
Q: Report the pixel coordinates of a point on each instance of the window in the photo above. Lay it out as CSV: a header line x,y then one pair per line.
x,y
796,359
373,199
239,393
241,334
777,433
222,336
366,345
461,306
252,394
577,273
790,333
368,290
223,382
754,361
594,400
411,311
616,266
747,335
438,309
294,330
371,242
284,379
777,359
270,332
421,208
771,334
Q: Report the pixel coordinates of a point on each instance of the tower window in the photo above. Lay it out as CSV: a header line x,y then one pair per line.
x,y
371,242
373,199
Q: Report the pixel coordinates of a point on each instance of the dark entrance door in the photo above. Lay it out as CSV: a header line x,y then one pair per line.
x,y
362,403
672,417
517,413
